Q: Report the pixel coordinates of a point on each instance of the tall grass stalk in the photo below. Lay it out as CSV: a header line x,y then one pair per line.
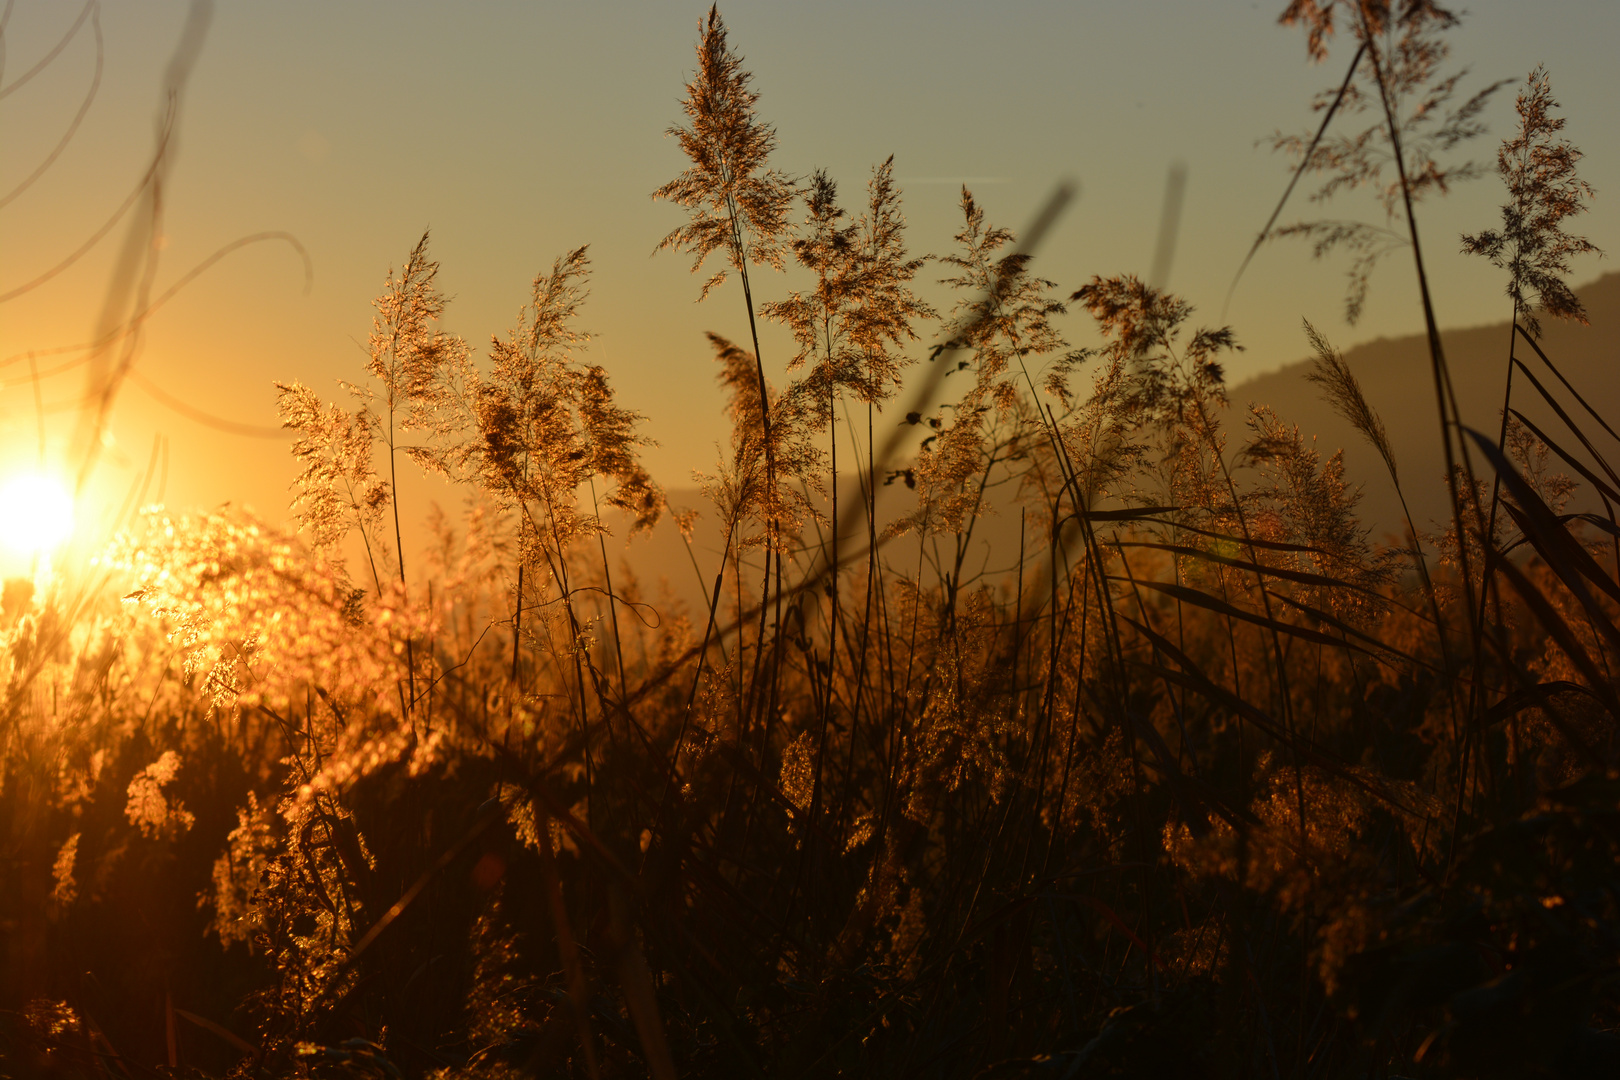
x,y
1190,788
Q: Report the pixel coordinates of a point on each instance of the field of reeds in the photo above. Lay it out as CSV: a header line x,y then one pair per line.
x,y
1199,781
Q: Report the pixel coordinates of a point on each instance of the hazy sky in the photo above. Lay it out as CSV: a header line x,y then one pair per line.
x,y
518,130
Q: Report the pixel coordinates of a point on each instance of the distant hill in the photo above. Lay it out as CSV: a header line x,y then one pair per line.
x,y
1395,375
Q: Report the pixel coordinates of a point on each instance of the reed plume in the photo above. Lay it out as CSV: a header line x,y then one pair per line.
x,y
738,205
1003,320
1413,121
1537,166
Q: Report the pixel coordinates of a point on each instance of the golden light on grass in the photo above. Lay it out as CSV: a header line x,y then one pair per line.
x,y
36,514
1207,726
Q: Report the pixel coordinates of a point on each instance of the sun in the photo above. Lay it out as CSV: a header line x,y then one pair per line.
x,y
36,514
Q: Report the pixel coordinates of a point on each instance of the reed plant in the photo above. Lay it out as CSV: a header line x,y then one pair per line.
x,y
1202,780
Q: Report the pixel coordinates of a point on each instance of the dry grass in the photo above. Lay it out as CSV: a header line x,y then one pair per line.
x,y
1207,784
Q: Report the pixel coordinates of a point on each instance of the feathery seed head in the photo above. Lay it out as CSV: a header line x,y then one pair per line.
x,y
1538,167
737,204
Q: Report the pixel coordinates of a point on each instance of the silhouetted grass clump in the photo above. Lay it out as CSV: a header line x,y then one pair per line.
x,y
1208,782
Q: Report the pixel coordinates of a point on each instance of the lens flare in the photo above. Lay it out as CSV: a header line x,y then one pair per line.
x,y
36,514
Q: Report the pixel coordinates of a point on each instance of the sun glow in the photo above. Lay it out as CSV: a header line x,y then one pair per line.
x,y
36,514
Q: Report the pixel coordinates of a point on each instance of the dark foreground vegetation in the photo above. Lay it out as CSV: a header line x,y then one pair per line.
x,y
1207,783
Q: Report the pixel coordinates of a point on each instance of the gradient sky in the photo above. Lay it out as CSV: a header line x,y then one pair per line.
x,y
516,131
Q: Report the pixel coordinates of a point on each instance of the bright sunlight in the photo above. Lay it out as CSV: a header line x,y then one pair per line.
x,y
36,514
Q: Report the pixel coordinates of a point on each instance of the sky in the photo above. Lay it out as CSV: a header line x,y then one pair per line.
x,y
515,132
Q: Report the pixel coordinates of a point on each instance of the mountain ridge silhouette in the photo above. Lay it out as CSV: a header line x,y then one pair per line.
x,y
1396,378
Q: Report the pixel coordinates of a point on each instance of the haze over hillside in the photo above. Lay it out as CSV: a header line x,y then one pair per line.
x,y
1395,375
